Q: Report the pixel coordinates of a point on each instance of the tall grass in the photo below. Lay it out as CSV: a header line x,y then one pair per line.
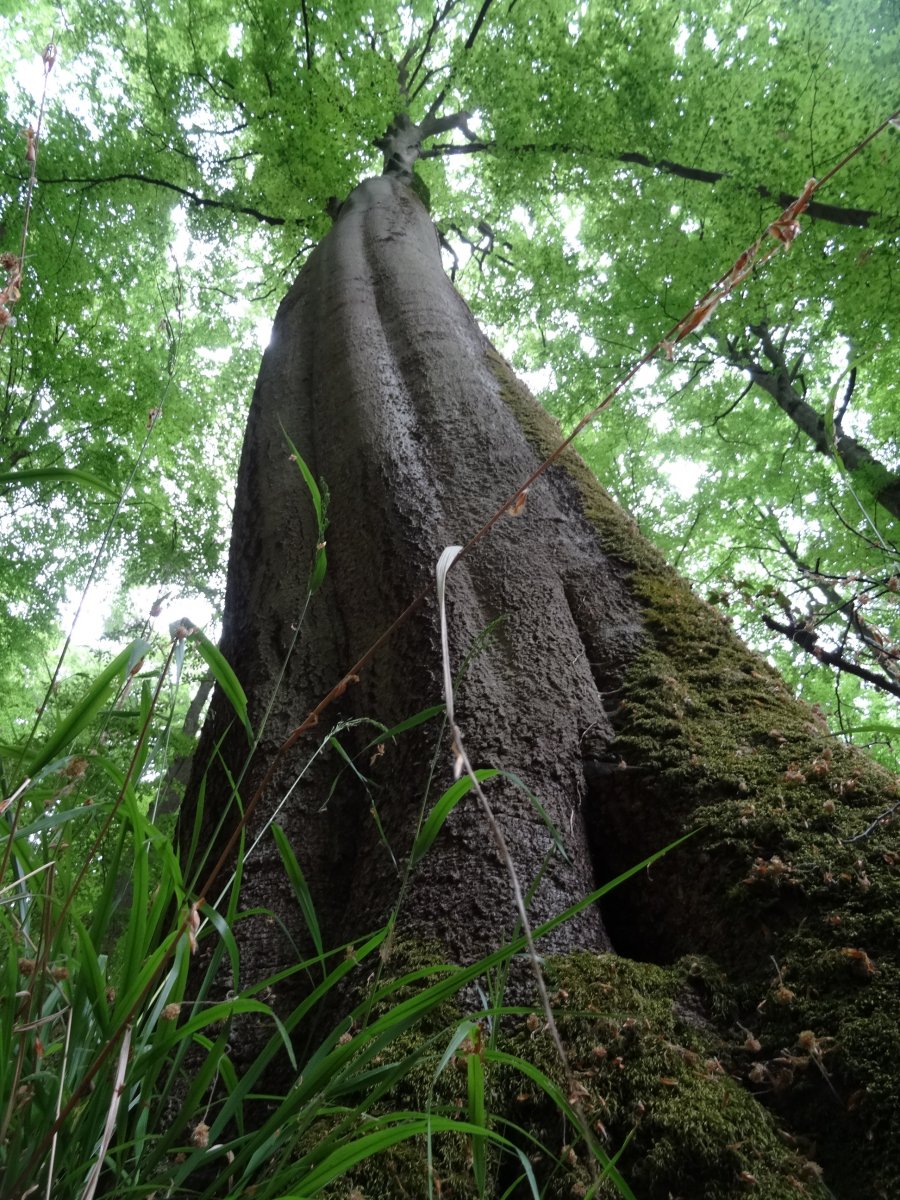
x,y
115,1082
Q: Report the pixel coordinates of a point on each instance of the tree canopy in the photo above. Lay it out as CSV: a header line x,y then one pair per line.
x,y
604,165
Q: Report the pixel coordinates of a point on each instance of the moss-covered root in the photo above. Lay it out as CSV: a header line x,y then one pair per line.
x,y
654,1075
657,1077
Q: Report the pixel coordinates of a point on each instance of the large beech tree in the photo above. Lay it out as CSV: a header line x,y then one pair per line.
x,y
743,1032
621,700
615,161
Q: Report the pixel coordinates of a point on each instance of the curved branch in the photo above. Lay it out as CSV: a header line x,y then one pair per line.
x,y
196,200
855,217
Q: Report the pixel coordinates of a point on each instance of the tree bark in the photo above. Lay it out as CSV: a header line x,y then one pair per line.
x,y
621,700
381,378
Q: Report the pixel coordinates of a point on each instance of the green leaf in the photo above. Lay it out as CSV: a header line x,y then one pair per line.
x,y
62,475
477,1117
320,563
445,805
412,722
83,712
408,1125
301,889
225,678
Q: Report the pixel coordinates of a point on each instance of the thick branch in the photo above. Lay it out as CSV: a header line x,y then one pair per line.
x,y
808,642
857,217
778,382
402,143
479,21
306,37
673,168
824,212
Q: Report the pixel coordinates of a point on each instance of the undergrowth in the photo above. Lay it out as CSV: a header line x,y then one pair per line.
x,y
116,1074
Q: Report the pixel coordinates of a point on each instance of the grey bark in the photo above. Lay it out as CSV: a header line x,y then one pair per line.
x,y
381,378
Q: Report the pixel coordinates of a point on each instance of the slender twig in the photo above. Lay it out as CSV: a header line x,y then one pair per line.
x,y
112,1113
871,828
436,22
59,1095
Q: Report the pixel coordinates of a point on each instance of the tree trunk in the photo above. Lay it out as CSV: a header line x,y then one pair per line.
x,y
622,702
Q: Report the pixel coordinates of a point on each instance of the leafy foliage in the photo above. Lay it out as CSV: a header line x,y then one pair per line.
x,y
185,169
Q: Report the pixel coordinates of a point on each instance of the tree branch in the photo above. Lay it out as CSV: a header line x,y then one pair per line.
x,y
306,38
176,779
434,125
851,384
806,640
402,143
448,148
883,483
855,217
195,199
673,168
824,212
479,21
872,639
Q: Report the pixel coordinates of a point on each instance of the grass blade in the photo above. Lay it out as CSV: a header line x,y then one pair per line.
x,y
320,562
476,1107
442,809
224,677
58,475
82,713
301,889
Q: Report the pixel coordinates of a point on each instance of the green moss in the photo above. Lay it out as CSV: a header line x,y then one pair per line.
x,y
656,1077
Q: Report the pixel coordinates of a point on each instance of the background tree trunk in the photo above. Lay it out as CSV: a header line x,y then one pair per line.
x,y
621,700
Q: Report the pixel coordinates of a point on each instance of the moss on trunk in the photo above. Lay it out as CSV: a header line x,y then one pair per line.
x,y
657,1082
798,912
